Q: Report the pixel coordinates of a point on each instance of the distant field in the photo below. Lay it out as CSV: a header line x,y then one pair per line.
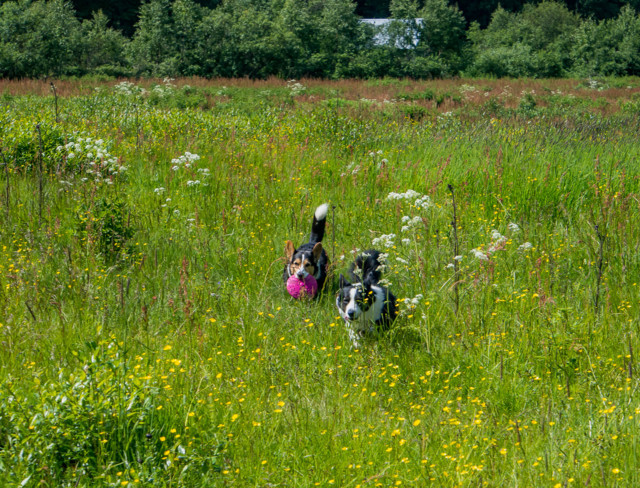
x,y
147,339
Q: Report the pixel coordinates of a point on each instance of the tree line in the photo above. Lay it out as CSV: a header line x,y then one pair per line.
x,y
318,38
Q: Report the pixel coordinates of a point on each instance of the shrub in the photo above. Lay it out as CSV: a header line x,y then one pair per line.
x,y
38,38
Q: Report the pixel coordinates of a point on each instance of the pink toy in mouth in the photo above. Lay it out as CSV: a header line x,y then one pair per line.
x,y
298,288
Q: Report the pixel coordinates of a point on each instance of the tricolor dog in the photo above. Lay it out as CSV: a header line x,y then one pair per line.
x,y
366,306
310,258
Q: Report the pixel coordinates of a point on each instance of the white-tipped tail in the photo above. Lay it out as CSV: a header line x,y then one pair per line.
x,y
321,211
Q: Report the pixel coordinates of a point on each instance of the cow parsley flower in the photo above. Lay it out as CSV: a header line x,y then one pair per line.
x,y
385,240
408,195
479,255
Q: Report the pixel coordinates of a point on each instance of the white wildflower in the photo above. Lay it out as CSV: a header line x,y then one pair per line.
x,y
385,240
423,202
408,195
479,255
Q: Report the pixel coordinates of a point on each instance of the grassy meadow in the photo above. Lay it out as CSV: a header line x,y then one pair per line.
x,y
146,338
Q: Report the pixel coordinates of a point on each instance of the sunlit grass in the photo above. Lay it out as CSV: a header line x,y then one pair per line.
x,y
147,339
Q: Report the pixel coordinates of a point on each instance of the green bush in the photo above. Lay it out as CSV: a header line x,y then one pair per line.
x,y
515,61
608,48
533,43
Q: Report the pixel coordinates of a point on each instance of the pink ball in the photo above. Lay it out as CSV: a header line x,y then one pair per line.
x,y
298,288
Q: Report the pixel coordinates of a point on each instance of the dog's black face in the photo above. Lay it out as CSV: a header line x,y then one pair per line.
x,y
302,261
353,300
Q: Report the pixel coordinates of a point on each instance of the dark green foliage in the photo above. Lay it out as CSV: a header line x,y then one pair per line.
x,y
320,39
37,39
610,48
102,48
46,39
372,9
533,43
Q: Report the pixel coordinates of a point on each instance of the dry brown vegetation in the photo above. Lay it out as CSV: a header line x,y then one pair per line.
x,y
604,97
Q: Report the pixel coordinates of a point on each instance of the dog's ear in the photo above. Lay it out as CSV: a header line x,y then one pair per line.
x,y
317,250
289,250
369,279
343,281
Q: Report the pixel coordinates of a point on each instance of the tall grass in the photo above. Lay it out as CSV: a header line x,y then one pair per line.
x,y
147,339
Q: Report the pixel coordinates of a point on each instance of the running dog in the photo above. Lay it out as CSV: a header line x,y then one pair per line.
x,y
366,306
309,258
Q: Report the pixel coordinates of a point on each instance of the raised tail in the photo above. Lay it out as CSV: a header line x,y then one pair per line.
x,y
318,225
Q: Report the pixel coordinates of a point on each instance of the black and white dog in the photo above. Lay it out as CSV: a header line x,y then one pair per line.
x,y
366,306
309,258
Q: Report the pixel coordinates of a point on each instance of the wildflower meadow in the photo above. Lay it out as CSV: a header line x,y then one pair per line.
x,y
147,339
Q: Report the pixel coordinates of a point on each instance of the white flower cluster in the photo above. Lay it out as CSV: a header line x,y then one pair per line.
x,y
186,161
295,87
498,241
423,202
128,89
479,255
92,156
419,200
407,195
385,240
410,222
525,247
166,89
